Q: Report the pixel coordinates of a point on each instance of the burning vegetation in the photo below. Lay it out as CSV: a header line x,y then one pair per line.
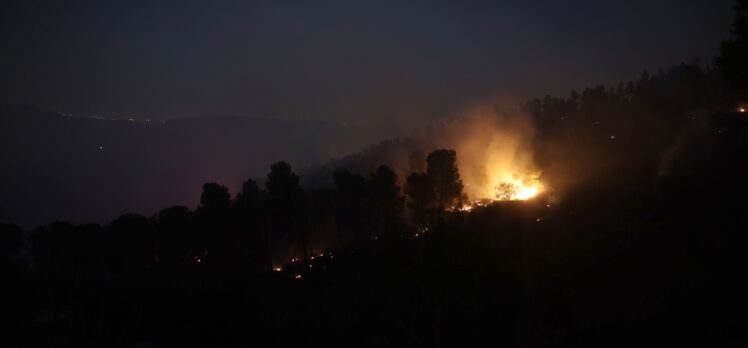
x,y
518,189
495,157
513,189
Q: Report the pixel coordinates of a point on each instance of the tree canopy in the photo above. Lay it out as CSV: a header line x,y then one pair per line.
x,y
733,59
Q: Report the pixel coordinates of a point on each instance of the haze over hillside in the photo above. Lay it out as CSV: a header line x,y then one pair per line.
x,y
86,169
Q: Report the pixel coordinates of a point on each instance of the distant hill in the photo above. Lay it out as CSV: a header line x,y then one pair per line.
x,y
56,166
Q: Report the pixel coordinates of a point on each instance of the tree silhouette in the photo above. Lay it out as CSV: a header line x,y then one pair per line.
x,y
214,201
51,249
249,223
442,172
11,241
132,245
385,201
734,52
318,217
421,199
350,201
506,191
248,204
284,193
176,236
214,238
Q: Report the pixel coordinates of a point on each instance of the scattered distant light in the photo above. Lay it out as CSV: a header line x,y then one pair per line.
x,y
321,254
548,205
538,220
298,276
310,266
100,148
312,257
416,235
612,137
597,122
741,109
277,269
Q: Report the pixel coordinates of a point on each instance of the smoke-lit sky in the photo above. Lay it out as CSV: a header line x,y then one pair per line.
x,y
364,62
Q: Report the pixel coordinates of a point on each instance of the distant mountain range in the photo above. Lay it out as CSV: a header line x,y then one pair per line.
x,y
59,167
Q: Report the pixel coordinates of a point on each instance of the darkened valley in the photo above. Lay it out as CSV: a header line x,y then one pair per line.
x,y
376,174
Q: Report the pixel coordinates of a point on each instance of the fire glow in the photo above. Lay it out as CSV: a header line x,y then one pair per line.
x,y
518,190
509,190
495,155
506,187
496,159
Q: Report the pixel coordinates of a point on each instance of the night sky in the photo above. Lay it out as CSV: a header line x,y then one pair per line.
x,y
364,62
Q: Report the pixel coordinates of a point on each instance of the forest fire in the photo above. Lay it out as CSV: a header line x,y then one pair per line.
x,y
513,189
496,161
517,190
